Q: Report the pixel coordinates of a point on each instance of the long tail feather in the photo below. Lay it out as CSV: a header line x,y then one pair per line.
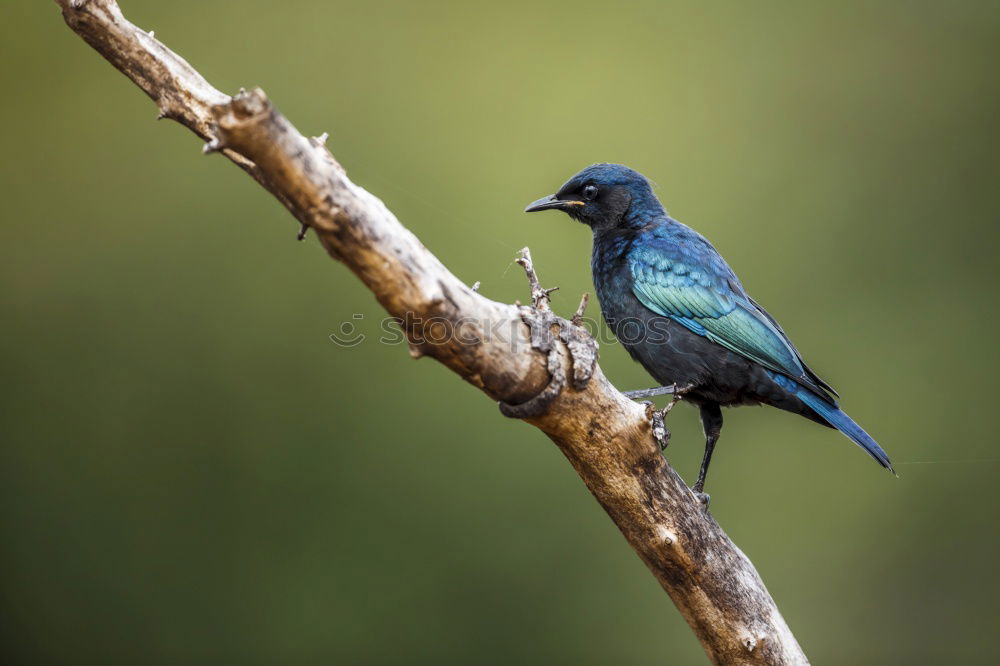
x,y
845,424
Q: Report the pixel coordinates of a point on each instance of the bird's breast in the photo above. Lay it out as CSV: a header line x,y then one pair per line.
x,y
612,279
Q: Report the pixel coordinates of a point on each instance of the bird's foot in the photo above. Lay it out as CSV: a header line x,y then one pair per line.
x,y
698,489
657,417
656,422
678,393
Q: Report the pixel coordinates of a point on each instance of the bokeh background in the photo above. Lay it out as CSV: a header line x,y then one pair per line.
x,y
193,473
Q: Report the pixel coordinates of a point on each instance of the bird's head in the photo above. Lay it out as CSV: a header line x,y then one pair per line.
x,y
602,196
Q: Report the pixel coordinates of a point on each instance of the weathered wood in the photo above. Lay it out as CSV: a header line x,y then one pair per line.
x,y
537,365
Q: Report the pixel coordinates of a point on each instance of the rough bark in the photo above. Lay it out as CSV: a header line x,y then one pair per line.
x,y
538,366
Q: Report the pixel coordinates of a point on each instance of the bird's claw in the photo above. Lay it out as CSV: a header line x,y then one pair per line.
x,y
704,498
657,424
678,393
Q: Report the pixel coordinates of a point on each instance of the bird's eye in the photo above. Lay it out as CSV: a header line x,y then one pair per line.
x,y
590,192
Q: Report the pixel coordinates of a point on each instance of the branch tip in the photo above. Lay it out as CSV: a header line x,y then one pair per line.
x,y
212,146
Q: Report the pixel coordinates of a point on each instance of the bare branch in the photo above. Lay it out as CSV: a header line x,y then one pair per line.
x,y
540,367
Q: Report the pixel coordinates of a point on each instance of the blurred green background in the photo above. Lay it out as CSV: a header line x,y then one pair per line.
x,y
193,473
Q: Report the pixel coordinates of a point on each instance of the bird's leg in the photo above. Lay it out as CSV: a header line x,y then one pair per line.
x,y
648,393
677,391
711,422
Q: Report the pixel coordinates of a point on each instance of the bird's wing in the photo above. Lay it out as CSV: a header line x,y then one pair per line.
x,y
695,288
812,375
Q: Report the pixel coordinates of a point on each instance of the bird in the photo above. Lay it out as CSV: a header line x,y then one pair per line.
x,y
679,310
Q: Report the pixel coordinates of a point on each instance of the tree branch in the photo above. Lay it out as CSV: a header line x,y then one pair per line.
x,y
539,366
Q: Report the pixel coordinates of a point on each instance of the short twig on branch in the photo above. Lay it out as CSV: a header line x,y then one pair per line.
x,y
580,310
539,295
542,369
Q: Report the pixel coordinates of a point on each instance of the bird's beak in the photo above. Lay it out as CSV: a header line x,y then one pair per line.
x,y
551,202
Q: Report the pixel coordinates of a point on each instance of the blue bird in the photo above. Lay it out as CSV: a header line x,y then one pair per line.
x,y
680,311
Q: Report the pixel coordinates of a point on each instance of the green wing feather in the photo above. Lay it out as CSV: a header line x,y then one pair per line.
x,y
709,305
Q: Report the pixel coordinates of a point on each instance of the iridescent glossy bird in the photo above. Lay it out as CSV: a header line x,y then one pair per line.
x,y
680,311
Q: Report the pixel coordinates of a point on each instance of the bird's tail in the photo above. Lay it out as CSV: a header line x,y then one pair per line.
x,y
845,424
